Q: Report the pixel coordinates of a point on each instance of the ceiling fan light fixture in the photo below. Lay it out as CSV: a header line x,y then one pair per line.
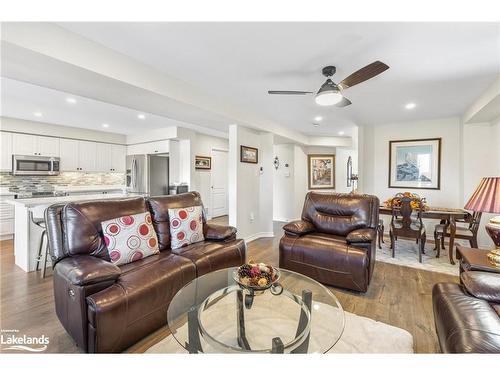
x,y
328,94
328,98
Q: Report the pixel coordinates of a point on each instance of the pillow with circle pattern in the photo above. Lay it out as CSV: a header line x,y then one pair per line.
x,y
130,238
186,226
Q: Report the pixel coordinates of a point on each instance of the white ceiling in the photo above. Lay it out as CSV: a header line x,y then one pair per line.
x,y
22,100
442,67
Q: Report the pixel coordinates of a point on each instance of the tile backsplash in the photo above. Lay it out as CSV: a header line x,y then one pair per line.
x,y
46,183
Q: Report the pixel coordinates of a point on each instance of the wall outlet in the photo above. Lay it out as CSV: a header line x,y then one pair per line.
x,y
252,217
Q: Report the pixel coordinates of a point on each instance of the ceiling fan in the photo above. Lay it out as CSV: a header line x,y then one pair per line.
x,y
331,93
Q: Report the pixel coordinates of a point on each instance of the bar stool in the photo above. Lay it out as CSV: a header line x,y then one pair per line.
x,y
40,223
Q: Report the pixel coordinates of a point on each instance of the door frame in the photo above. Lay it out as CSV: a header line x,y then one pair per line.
x,y
220,149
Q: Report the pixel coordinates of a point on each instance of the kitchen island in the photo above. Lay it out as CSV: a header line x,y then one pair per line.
x,y
27,234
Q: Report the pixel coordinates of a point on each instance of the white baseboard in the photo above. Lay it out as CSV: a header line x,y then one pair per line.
x,y
284,220
6,237
255,236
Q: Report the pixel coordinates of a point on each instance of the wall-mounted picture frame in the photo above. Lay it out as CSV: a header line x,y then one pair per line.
x,y
249,155
415,163
203,162
321,171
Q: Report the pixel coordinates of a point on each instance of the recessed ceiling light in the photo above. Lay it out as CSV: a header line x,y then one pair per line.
x,y
318,118
315,124
38,114
410,105
341,133
71,100
105,125
140,116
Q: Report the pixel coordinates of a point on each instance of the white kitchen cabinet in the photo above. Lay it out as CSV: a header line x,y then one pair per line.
x,y
47,146
118,156
6,217
87,156
68,149
156,147
24,144
103,157
5,151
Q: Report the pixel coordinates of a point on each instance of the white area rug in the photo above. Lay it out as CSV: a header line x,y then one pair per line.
x,y
407,255
361,335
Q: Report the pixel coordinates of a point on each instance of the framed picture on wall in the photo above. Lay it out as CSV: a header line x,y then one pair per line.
x,y
321,171
249,155
203,162
415,163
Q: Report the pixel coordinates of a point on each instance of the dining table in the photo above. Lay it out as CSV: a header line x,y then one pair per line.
x,y
448,216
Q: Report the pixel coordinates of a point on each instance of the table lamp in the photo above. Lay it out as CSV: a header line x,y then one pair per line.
x,y
486,198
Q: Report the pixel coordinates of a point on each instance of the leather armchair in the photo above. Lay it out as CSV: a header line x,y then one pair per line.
x,y
106,308
334,242
467,315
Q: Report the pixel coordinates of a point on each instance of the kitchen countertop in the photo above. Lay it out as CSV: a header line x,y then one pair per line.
x,y
47,201
70,189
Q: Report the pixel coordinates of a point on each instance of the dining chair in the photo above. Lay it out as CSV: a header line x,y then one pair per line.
x,y
469,232
406,221
380,233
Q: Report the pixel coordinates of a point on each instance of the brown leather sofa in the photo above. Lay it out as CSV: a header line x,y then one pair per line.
x,y
467,315
107,308
334,243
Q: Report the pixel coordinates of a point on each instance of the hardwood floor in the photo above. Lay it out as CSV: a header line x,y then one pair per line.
x,y
399,296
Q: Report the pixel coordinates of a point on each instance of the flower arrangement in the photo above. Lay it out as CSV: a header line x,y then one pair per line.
x,y
414,204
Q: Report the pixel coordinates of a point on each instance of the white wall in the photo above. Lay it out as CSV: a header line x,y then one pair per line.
x,y
203,146
250,191
480,159
376,160
42,128
468,153
284,183
290,191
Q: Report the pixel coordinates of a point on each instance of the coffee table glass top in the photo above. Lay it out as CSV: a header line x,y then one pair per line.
x,y
213,314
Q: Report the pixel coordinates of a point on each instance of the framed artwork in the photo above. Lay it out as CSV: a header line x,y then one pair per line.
x,y
415,163
321,171
249,155
203,162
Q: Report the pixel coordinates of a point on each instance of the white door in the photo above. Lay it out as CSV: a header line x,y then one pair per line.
x,y
103,157
219,183
118,158
87,156
24,144
6,151
47,146
68,149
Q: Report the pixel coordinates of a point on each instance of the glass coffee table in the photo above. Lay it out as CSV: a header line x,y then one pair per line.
x,y
213,314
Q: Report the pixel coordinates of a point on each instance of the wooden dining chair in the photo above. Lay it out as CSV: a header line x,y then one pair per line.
x,y
406,221
469,232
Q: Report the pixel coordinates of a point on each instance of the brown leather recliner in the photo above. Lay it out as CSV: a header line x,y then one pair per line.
x,y
107,308
334,243
467,315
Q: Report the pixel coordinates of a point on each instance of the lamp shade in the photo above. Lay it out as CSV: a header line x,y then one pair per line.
x,y
486,198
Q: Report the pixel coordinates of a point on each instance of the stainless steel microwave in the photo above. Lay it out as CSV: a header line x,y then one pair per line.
x,y
29,165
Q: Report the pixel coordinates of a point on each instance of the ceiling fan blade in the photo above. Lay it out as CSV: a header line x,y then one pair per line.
x,y
289,92
344,102
364,74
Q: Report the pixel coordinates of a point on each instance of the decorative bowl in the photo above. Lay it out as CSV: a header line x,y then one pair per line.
x,y
256,276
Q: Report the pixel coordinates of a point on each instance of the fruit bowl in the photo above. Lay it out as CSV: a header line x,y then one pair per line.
x,y
256,276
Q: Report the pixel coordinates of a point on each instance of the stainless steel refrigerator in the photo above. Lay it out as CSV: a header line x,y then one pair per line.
x,y
147,174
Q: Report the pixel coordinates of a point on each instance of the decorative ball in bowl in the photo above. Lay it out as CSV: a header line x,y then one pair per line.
x,y
256,276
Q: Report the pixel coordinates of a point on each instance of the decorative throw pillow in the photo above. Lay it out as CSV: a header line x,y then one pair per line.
x,y
186,226
130,238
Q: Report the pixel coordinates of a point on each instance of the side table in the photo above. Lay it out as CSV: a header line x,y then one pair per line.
x,y
475,260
